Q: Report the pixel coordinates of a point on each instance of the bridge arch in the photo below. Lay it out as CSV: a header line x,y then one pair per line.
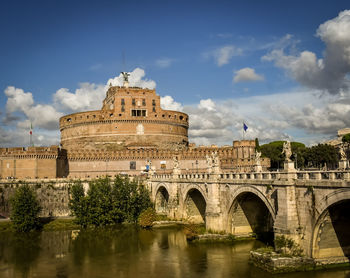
x,y
331,232
250,213
161,199
195,203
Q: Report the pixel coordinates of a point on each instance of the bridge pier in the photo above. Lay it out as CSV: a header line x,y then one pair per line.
x,y
287,220
213,215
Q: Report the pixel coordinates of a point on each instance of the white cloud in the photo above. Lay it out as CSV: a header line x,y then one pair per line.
x,y
306,114
136,79
247,75
17,100
223,55
88,97
206,104
168,103
164,62
21,109
328,73
22,104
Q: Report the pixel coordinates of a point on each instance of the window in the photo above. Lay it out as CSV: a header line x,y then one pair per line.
x,y
132,165
122,101
153,102
143,102
123,108
138,112
153,109
133,102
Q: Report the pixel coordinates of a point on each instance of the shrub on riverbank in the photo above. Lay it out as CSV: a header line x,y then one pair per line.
x,y
147,217
192,231
108,201
287,246
60,225
25,209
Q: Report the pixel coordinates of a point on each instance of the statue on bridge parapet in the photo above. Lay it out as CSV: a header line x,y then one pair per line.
x,y
213,163
287,151
176,166
343,163
258,167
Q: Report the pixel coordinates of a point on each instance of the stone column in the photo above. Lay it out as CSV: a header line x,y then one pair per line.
x,y
174,210
287,220
213,214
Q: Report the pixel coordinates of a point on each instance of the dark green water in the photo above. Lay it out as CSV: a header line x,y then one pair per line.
x,y
129,252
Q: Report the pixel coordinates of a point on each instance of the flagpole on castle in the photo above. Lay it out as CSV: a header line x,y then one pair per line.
x,y
31,135
245,127
243,130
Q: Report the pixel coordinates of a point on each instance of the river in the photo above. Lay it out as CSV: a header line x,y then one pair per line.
x,y
127,251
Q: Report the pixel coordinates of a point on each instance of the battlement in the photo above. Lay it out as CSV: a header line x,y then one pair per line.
x,y
108,116
33,152
244,143
33,162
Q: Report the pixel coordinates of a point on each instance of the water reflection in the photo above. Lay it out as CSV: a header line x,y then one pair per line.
x,y
127,251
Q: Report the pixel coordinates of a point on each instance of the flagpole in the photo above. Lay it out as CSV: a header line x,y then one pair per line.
x,y
243,130
31,135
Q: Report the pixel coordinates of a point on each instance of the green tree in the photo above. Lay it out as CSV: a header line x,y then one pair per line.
x,y
25,209
317,156
78,204
273,150
257,145
108,202
346,138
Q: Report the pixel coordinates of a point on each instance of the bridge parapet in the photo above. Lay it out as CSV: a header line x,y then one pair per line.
x,y
334,177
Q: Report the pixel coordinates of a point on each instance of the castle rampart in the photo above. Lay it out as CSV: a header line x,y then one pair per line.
x,y
33,162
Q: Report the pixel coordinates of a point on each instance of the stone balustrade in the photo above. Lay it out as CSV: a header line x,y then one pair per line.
x,y
333,175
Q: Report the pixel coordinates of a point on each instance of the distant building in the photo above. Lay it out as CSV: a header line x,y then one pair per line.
x,y
338,141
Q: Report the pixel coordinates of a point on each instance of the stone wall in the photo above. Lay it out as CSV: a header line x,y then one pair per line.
x,y
33,162
51,194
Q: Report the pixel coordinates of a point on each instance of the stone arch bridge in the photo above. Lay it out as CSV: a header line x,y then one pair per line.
x,y
313,208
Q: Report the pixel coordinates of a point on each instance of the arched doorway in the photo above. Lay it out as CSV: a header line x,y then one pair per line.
x,y
162,200
332,232
249,216
195,206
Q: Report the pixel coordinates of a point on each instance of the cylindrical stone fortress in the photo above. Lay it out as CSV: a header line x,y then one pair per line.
x,y
130,118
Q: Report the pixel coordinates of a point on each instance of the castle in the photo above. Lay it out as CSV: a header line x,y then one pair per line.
x,y
131,134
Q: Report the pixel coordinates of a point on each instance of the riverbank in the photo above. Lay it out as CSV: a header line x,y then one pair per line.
x,y
58,224
280,263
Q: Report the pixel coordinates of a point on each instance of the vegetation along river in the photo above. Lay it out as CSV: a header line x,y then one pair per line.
x,y
127,251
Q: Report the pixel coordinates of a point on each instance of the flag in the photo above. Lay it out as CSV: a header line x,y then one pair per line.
x,y
31,129
245,127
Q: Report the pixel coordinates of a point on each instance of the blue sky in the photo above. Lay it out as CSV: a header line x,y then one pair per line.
x,y
222,62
